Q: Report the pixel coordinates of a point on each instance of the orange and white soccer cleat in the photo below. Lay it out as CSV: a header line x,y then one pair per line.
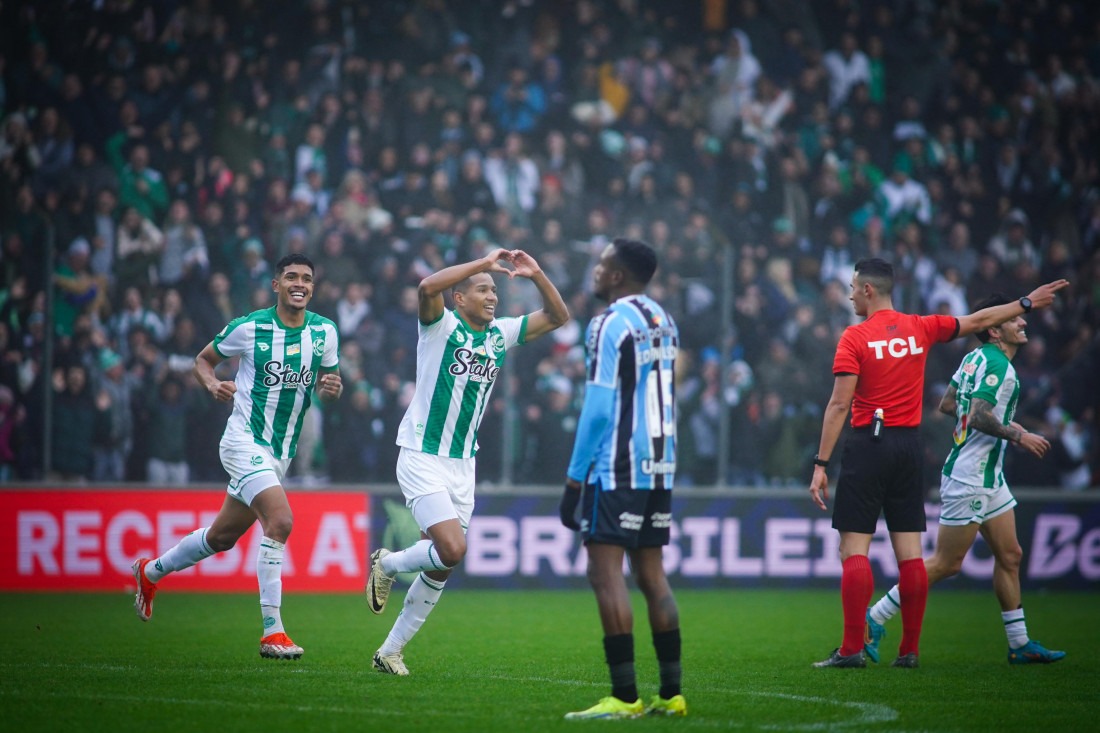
x,y
146,590
279,646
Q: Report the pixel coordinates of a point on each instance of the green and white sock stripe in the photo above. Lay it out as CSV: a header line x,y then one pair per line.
x,y
433,584
435,560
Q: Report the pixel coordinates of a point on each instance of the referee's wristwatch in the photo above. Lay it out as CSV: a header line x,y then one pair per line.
x,y
819,461
1025,303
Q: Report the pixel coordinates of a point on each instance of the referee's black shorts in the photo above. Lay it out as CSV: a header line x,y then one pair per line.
x,y
881,476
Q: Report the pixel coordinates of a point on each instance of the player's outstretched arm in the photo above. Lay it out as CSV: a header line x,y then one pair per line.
x,y
554,312
430,292
1040,297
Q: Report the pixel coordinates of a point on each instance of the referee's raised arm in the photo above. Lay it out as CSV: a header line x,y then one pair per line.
x,y
1040,297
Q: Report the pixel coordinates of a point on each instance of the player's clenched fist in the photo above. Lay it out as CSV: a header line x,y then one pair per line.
x,y
331,386
223,391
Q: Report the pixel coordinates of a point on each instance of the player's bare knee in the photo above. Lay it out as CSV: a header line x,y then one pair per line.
x,y
279,526
652,586
220,541
594,574
1010,558
954,567
939,567
599,575
451,552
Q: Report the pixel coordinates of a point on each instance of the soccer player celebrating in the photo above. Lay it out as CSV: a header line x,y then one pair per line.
x,y
286,355
982,398
458,357
623,465
878,374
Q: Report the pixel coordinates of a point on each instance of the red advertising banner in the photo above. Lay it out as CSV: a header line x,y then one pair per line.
x,y
85,540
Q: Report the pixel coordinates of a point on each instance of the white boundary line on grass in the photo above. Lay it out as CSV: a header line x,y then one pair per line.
x,y
870,713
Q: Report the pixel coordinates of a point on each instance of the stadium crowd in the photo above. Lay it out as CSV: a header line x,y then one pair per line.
x,y
157,158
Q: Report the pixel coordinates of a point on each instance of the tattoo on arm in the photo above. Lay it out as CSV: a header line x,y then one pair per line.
x,y
982,418
947,402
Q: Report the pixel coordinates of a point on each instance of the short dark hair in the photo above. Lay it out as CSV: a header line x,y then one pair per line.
x,y
637,258
464,284
878,272
294,258
989,302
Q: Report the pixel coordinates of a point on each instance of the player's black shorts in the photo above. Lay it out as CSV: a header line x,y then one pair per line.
x,y
626,517
881,476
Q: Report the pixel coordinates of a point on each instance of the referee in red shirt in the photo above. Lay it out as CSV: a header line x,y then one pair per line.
x,y
879,365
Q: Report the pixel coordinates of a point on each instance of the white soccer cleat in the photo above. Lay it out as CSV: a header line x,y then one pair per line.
x,y
378,583
279,646
390,664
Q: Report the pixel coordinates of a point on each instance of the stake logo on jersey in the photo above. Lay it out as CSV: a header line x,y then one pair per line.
x,y
477,363
456,368
276,375
977,458
278,372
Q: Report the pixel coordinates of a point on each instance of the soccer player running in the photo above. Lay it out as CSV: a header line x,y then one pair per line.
x,y
982,397
286,355
458,356
879,366
621,473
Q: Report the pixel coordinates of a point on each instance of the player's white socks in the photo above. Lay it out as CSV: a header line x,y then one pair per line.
x,y
1015,625
269,572
887,606
421,556
1015,628
186,553
419,601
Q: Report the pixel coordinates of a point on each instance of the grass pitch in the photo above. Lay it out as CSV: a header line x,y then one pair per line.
x,y
517,661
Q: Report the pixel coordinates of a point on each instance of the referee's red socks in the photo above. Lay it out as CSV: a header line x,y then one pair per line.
x,y
857,583
913,589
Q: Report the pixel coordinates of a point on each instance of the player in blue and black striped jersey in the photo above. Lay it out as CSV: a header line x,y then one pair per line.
x,y
622,471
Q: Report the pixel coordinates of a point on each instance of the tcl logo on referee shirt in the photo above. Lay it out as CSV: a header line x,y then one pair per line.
x,y
895,347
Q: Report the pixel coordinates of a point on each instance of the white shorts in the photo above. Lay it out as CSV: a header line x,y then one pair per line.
x,y
963,504
449,482
251,467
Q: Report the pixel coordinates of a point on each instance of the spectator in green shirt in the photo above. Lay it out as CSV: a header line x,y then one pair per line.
x,y
139,185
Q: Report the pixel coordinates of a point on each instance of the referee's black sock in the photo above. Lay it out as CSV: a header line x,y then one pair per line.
x,y
667,645
619,652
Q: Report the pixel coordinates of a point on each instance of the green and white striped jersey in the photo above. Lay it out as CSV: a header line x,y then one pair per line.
x,y
277,371
455,371
977,458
